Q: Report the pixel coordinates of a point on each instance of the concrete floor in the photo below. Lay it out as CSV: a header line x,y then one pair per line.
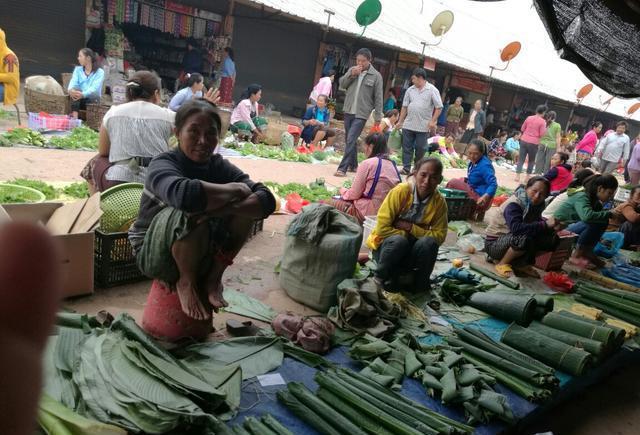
x,y
611,407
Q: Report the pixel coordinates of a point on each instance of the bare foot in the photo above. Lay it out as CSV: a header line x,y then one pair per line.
x,y
216,299
190,302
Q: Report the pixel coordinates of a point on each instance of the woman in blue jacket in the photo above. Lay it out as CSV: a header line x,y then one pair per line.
x,y
481,183
86,82
316,124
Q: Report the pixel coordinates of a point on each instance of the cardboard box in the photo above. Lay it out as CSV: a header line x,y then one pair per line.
x,y
76,249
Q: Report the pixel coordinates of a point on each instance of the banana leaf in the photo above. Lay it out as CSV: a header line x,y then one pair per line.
x,y
505,306
244,305
275,425
544,305
550,351
384,380
65,353
603,334
427,359
430,381
594,347
382,368
57,419
256,427
496,403
255,355
468,375
620,333
449,386
411,363
370,350
370,425
306,414
304,356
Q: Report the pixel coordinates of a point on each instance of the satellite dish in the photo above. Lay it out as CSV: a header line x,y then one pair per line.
x,y
510,51
584,91
631,110
368,12
442,23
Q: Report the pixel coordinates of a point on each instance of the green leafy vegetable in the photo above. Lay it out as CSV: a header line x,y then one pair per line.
x,y
49,191
312,193
77,190
80,138
24,136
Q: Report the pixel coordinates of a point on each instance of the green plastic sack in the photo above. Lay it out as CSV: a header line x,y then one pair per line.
x,y
395,140
286,141
323,253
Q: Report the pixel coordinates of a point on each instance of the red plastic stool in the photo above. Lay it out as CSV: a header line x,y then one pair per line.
x,y
163,317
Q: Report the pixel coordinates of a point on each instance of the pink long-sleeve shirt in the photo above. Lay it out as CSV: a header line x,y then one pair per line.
x,y
323,87
588,142
362,184
242,112
533,128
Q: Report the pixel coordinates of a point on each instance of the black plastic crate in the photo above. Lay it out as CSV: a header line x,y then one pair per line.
x,y
257,227
114,262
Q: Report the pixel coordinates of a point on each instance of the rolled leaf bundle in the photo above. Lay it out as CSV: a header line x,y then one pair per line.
x,y
544,305
489,358
275,425
560,355
257,427
580,327
483,341
615,312
371,426
618,332
624,294
493,276
305,413
594,347
505,306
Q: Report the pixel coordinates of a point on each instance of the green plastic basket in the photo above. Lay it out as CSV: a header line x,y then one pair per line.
x,y
14,194
120,206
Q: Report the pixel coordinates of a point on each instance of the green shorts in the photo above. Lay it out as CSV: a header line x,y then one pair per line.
x,y
155,258
243,127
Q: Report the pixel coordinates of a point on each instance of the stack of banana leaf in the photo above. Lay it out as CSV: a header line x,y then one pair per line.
x,y
266,425
119,376
443,371
526,376
622,304
348,403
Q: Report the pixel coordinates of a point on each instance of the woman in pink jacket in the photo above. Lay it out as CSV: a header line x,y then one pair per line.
x,y
586,147
323,87
375,177
533,128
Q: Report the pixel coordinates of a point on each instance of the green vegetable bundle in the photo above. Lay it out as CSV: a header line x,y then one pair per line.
x,y
548,350
602,333
24,136
505,306
622,304
312,193
48,190
273,152
594,347
80,138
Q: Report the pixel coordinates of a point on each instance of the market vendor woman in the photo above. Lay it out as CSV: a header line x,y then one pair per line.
x,y
412,224
516,229
196,213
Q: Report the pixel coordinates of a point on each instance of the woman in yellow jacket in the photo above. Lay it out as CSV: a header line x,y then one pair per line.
x,y
9,73
412,224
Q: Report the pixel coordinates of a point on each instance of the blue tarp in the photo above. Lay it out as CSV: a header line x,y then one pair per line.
x,y
258,400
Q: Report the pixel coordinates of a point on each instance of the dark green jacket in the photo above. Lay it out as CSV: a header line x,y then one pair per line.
x,y
578,208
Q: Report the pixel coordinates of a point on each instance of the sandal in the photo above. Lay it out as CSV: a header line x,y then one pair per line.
x,y
339,174
582,263
504,270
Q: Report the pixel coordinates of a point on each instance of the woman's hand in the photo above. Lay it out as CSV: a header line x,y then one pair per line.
x,y
483,200
212,96
403,225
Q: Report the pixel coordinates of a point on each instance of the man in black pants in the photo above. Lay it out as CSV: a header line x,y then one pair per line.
x,y
364,94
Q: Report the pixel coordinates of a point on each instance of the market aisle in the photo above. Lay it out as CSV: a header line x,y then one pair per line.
x,y
65,166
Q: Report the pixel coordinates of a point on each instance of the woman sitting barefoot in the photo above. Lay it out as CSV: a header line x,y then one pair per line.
x,y
316,122
196,213
376,176
412,224
516,230
584,212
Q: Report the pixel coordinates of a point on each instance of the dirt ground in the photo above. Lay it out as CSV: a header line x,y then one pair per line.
x,y
611,407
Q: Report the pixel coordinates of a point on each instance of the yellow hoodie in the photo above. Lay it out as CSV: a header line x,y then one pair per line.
x,y
399,200
9,72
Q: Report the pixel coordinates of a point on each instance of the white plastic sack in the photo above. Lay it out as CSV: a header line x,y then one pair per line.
x,y
45,84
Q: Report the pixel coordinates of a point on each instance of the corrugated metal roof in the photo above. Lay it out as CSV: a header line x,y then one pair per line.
x,y
479,31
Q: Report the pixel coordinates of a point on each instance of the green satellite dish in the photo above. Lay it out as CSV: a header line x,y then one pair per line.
x,y
368,12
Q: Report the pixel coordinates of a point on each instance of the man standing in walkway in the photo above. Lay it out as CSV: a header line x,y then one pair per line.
x,y
364,94
612,148
421,107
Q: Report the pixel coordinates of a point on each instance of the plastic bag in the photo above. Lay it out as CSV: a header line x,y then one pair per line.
x,y
559,281
295,203
609,245
395,140
471,243
286,140
499,200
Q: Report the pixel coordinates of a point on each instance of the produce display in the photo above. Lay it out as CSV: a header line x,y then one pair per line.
x,y
313,192
24,136
76,190
80,138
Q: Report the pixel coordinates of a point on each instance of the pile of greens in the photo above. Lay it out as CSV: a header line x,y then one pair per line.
x,y
48,190
443,370
81,138
313,192
77,190
24,136
273,152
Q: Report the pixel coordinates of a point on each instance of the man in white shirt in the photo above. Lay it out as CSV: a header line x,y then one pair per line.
x,y
612,148
421,107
